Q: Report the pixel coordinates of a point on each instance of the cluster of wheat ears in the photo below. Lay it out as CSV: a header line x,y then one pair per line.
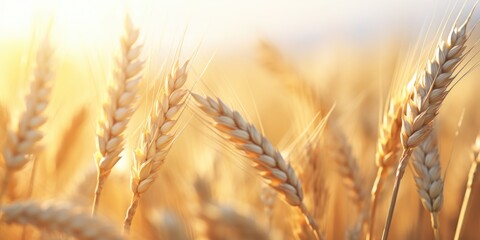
x,y
407,133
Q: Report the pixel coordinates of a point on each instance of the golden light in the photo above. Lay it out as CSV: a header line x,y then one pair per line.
x,y
296,89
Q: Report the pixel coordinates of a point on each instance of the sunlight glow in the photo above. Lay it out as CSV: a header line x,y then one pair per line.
x,y
15,18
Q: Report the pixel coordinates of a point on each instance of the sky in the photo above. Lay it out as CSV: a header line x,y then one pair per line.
x,y
222,25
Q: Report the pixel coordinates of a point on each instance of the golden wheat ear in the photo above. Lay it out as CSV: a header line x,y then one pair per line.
x,y
119,107
58,217
388,148
22,143
349,169
428,178
268,161
424,100
157,137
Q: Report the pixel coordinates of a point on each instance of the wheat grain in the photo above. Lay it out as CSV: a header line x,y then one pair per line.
x,y
268,161
426,165
21,144
119,107
472,178
59,217
424,100
157,137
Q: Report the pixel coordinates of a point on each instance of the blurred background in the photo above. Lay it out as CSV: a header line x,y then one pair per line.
x,y
350,54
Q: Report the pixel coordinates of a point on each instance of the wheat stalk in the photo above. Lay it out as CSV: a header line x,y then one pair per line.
x,y
424,101
268,161
472,178
119,107
157,138
21,144
57,217
426,165
388,147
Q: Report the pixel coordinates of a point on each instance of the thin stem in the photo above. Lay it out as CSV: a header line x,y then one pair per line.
x,y
376,189
130,213
311,222
466,198
435,225
436,233
400,171
98,192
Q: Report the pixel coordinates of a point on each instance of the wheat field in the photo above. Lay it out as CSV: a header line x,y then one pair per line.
x,y
133,136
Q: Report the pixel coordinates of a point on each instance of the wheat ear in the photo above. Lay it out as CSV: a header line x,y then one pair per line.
x,y
268,161
348,168
21,144
157,138
472,178
119,107
426,165
424,101
388,147
58,217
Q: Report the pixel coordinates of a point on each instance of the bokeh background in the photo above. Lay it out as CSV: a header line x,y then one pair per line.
x,y
251,54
